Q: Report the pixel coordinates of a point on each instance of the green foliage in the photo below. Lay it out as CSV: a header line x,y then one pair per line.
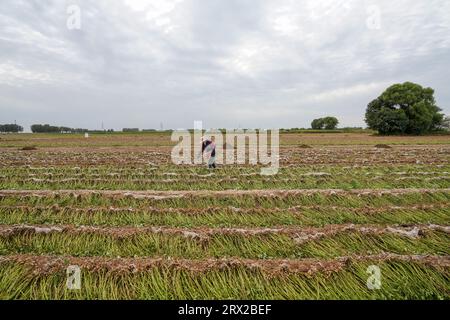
x,y
198,256
404,108
327,123
10,128
130,130
46,128
400,280
113,177
445,125
317,124
316,210
154,244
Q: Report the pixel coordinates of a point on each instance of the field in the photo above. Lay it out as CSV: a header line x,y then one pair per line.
x,y
140,227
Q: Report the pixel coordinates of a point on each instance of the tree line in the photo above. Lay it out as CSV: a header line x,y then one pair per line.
x,y
46,128
10,128
406,108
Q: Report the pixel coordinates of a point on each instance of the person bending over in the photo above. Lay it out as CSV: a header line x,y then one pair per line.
x,y
209,150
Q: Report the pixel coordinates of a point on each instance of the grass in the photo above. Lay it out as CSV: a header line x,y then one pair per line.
x,y
224,217
231,211
248,201
251,247
170,177
399,281
347,161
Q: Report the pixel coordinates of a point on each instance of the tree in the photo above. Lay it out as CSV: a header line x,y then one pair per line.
x,y
130,130
10,128
317,124
328,123
404,108
445,125
46,128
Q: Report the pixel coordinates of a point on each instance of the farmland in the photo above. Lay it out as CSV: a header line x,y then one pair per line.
x,y
140,227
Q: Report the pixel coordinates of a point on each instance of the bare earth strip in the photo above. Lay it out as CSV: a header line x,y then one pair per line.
x,y
42,265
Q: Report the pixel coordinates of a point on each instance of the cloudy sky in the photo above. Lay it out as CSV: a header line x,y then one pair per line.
x,y
229,63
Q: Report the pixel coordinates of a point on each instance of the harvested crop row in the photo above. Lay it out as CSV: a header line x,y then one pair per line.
x,y
314,209
224,243
345,182
288,155
249,179
239,199
224,216
56,209
50,264
23,172
400,280
150,168
222,193
300,235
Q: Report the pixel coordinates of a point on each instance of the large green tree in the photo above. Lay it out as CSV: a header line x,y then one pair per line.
x,y
328,123
404,108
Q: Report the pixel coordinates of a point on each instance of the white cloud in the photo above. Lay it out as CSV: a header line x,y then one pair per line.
x,y
360,89
15,76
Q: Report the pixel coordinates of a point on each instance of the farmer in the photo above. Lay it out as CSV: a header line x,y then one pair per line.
x,y
209,150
